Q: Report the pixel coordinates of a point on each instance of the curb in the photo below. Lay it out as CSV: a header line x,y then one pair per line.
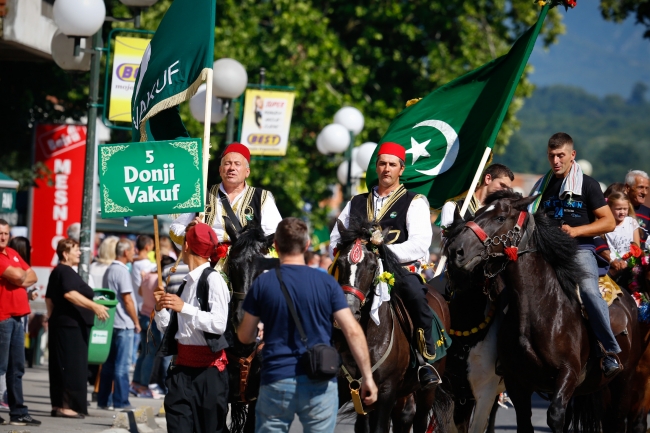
x,y
140,420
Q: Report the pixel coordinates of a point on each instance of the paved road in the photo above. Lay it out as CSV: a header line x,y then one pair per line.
x,y
36,389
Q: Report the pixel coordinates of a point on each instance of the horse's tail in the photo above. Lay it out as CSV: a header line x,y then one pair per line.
x,y
238,415
441,416
587,412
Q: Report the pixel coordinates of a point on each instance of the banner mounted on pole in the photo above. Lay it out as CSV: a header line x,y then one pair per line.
x,y
267,120
151,178
126,62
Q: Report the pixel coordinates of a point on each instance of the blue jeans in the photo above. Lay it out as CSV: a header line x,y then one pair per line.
x,y
315,402
136,347
116,369
147,356
594,304
12,363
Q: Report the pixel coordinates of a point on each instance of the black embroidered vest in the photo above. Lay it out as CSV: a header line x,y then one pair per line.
x,y
392,214
248,208
169,345
473,207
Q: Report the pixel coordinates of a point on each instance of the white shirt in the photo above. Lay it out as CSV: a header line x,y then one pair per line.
x,y
270,217
191,318
620,239
418,224
447,215
136,267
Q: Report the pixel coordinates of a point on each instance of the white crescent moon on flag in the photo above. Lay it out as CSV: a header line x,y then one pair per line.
x,y
453,145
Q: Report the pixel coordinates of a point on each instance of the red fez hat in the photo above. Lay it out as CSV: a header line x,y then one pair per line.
x,y
239,148
392,149
203,241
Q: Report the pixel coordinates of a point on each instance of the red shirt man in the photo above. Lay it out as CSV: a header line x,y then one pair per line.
x,y
15,275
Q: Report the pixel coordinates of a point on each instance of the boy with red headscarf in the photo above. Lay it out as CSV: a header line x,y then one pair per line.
x,y
193,321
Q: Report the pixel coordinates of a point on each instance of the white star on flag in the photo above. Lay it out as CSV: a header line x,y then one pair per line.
x,y
418,149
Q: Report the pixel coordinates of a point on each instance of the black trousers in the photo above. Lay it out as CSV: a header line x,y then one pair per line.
x,y
69,367
197,400
412,291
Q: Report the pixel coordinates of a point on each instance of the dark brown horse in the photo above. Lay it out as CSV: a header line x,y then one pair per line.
x,y
245,262
544,343
400,399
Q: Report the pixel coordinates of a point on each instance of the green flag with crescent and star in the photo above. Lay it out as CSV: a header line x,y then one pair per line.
x,y
446,133
173,67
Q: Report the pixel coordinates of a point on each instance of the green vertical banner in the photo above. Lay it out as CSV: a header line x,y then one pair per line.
x,y
151,178
446,133
173,67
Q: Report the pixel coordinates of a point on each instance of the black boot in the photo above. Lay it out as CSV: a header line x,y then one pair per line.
x,y
428,376
611,367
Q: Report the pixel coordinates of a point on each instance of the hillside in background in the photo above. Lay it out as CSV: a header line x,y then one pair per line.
x,y
613,133
600,56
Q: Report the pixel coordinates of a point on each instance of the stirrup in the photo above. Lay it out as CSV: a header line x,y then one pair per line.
x,y
435,372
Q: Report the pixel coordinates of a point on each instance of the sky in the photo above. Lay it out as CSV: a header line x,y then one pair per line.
x,y
600,56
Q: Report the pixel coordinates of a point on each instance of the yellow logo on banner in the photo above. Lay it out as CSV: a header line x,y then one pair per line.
x,y
126,61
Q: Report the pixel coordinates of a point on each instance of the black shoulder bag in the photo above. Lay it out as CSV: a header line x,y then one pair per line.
x,y
322,361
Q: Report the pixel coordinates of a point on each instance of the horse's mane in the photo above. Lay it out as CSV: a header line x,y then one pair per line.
x,y
251,236
556,247
360,228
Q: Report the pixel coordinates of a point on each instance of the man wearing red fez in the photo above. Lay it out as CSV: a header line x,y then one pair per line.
x,y
234,198
407,217
193,322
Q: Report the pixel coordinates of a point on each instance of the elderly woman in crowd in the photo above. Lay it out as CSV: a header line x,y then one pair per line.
x,y
71,312
105,257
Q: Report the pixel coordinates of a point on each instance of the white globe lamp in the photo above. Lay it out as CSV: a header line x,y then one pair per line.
x,y
79,17
229,78
319,145
342,172
350,118
364,155
586,166
197,107
62,48
335,138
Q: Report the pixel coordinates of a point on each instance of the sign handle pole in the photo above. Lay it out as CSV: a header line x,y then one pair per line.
x,y
466,202
156,236
207,122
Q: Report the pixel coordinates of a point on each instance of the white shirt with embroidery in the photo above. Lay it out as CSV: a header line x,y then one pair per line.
x,y
418,224
191,318
620,239
270,217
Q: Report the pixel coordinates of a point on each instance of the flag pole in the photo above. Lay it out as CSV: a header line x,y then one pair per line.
x,y
156,236
467,201
207,121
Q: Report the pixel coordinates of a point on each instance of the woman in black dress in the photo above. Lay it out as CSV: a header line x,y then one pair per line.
x,y
71,312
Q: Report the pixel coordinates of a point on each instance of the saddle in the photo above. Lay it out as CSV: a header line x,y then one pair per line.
x,y
610,292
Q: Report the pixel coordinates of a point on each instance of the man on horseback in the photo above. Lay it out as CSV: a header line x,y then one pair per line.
x,y
495,178
576,202
407,216
233,198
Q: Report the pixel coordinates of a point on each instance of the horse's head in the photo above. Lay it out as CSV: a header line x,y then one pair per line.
x,y
495,228
245,262
357,261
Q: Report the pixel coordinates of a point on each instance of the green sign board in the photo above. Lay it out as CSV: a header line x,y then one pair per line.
x,y
7,200
151,178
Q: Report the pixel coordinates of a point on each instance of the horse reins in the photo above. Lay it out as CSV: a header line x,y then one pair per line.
x,y
356,293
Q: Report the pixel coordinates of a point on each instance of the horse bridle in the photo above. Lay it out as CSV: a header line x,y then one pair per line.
x,y
355,292
510,241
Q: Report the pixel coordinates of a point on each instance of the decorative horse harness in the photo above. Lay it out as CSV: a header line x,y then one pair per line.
x,y
511,240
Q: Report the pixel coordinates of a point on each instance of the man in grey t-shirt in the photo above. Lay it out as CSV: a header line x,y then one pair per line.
x,y
116,367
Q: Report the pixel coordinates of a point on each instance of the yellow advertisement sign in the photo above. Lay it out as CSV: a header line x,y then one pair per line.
x,y
126,61
267,120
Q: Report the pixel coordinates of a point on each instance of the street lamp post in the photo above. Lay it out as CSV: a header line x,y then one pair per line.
x,y
79,20
228,82
339,137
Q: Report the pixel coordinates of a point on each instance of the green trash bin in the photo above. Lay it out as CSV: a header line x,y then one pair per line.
x,y
101,334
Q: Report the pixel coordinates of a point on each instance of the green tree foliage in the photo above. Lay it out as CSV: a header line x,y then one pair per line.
x,y
619,10
611,133
374,55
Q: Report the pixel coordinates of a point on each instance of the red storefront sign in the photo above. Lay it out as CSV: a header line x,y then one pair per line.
x,y
56,199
